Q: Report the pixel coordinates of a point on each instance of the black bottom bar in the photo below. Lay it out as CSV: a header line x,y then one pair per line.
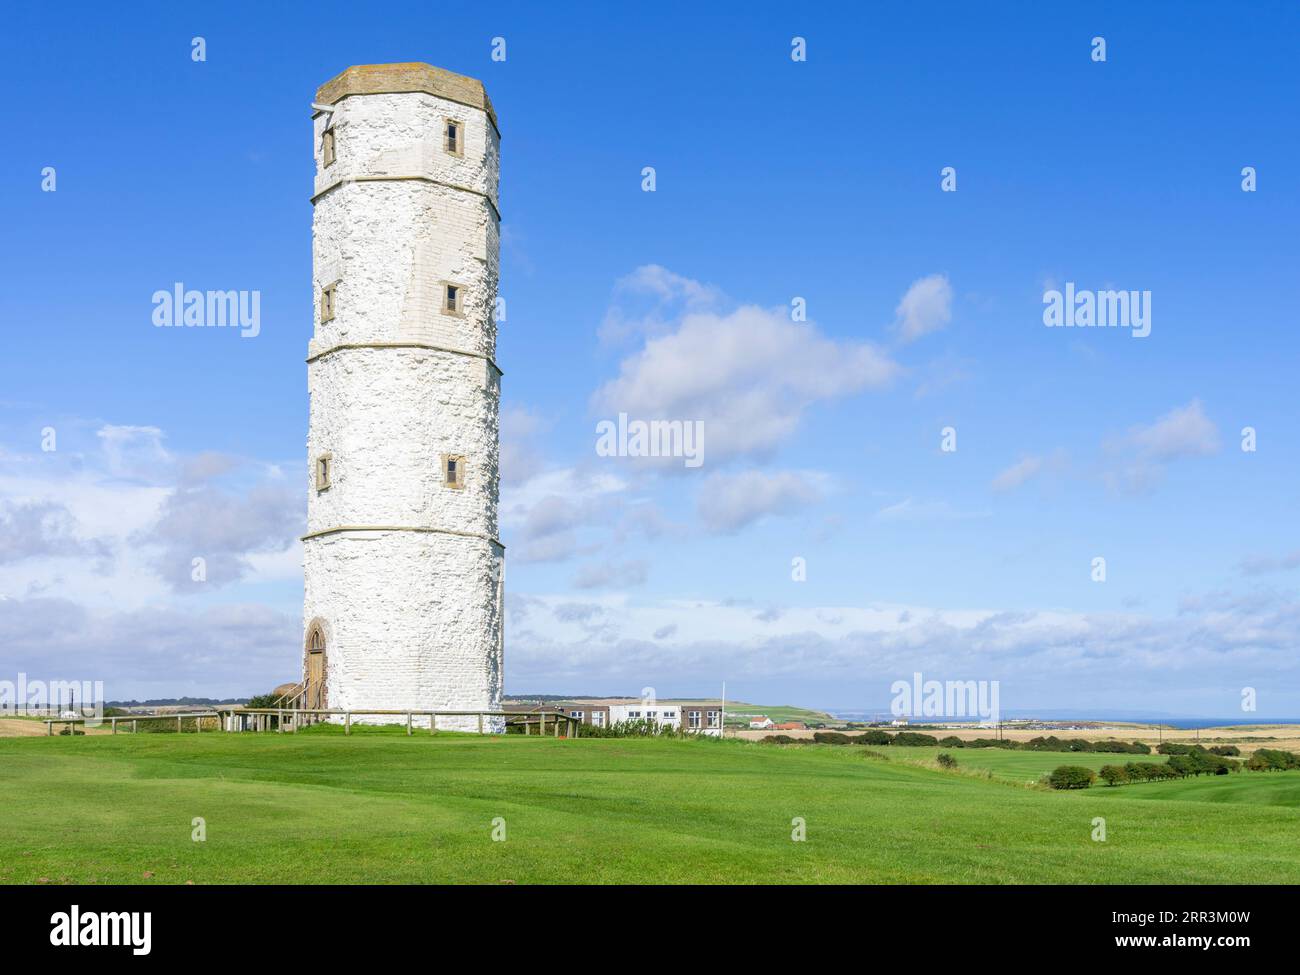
x,y
942,924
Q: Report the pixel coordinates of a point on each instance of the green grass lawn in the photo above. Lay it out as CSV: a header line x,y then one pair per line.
x,y
1259,788
376,807
1014,766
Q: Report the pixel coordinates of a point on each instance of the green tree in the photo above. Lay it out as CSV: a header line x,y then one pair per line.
x,y
1114,774
1072,777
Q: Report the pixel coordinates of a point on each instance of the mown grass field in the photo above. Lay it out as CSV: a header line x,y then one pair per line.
x,y
1013,766
1258,788
377,807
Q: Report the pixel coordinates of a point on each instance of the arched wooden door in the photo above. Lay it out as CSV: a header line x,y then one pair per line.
x,y
315,696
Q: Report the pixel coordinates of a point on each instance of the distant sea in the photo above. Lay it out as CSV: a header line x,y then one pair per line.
x,y
1169,721
1192,723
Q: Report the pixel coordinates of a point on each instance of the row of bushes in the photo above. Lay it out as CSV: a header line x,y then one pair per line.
x,y
1053,744
1273,760
917,739
1182,762
1178,748
1078,777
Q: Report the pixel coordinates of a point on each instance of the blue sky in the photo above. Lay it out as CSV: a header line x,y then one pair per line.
x,y
775,180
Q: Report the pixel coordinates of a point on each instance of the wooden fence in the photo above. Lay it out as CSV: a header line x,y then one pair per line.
x,y
259,719
134,720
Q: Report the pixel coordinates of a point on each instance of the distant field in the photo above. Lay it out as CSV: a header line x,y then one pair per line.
x,y
29,727
381,807
739,712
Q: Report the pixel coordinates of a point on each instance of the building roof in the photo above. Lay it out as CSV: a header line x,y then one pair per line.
x,y
379,79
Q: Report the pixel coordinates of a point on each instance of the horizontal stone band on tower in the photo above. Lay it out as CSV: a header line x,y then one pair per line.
x,y
399,528
344,346
344,181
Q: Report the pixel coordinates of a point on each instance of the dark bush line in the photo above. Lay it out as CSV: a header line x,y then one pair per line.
x,y
1054,744
917,739
1195,761
1273,760
1072,777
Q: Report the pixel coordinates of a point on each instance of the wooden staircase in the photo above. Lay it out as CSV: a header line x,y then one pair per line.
x,y
294,698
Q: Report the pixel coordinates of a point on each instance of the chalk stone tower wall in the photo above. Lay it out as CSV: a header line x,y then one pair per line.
x,y
404,573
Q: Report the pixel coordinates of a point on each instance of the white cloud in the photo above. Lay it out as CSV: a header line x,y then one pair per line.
x,y
1017,474
656,280
926,308
621,643
910,509
544,518
42,529
1182,432
120,525
134,452
153,650
1261,564
648,300
1055,463
727,503
581,486
1136,462
749,375
612,575
521,455
222,528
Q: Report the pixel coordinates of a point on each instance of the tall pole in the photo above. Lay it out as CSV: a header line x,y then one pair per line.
x,y
722,713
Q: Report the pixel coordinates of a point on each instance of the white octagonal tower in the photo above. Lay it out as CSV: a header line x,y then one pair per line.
x,y
403,569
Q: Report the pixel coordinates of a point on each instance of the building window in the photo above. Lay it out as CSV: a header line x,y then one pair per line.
x,y
453,471
634,714
454,138
578,714
713,719
327,303
694,717
453,299
327,147
323,464
598,718
669,715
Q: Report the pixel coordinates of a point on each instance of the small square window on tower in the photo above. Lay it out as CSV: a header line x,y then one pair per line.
x,y
323,464
327,302
454,134
327,147
453,299
453,471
